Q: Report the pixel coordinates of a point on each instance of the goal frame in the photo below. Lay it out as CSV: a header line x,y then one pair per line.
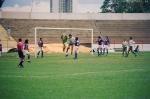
x,y
49,28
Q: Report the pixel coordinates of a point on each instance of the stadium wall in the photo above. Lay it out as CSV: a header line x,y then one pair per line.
x,y
75,16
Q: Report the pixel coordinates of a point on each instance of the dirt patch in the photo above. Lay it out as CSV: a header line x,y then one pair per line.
x,y
58,48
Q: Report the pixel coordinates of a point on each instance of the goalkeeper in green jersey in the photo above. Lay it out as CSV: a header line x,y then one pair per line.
x,y
64,39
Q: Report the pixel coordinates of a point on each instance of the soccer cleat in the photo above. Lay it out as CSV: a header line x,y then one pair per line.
x,y
29,61
67,54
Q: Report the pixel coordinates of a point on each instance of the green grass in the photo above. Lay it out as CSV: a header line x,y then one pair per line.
x,y
89,77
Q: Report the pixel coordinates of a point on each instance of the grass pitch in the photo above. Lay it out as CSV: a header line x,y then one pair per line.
x,y
89,77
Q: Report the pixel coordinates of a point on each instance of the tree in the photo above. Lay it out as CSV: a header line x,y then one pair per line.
x,y
106,6
126,6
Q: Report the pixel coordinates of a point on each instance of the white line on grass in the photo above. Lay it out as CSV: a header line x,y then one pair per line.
x,y
67,75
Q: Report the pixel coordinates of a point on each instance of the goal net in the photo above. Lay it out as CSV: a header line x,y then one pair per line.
x,y
52,37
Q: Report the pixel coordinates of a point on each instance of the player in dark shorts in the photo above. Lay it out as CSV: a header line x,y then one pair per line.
x,y
70,44
26,50
40,48
77,43
20,53
0,48
106,45
124,48
100,45
64,39
131,46
136,50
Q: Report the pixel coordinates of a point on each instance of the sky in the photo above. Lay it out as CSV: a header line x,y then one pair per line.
x,y
84,6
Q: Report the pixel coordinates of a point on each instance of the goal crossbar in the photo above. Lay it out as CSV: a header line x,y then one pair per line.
x,y
49,28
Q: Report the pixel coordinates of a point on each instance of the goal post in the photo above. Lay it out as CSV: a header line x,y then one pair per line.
x,y
36,29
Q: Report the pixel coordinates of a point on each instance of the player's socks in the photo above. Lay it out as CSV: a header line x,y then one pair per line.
x,y
21,64
42,55
76,55
67,54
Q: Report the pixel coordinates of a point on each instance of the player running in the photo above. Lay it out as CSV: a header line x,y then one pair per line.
x,y
64,39
124,48
77,43
26,50
100,45
40,47
70,44
136,50
131,45
20,53
106,45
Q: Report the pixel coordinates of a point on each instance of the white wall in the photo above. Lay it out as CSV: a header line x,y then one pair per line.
x,y
75,16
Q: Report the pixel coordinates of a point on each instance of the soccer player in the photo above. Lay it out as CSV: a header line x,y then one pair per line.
x,y
131,45
106,45
77,43
0,48
26,50
70,44
137,51
20,52
40,45
100,45
64,39
124,48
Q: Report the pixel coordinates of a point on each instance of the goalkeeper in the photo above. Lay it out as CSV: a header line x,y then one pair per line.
x,y
64,39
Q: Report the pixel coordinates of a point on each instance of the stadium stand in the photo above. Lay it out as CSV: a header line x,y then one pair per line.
x,y
116,29
7,40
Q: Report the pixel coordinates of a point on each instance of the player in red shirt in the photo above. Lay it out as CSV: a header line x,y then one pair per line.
x,y
20,52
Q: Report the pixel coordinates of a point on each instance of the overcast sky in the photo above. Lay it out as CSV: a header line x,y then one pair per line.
x,y
43,5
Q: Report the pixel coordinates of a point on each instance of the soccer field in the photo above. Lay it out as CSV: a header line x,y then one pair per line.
x,y
89,77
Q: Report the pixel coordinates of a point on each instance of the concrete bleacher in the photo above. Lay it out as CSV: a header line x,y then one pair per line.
x,y
117,30
6,40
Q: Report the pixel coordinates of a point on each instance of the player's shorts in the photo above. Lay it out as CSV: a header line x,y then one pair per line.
x,y
106,46
100,46
76,48
21,55
40,49
26,52
130,48
124,48
65,43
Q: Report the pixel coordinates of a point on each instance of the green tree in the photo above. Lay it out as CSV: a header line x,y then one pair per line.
x,y
126,6
106,6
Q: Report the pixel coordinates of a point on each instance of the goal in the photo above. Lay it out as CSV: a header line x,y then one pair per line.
x,y
38,29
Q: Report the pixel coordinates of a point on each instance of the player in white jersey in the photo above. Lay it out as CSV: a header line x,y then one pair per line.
x,y
131,46
26,50
70,44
